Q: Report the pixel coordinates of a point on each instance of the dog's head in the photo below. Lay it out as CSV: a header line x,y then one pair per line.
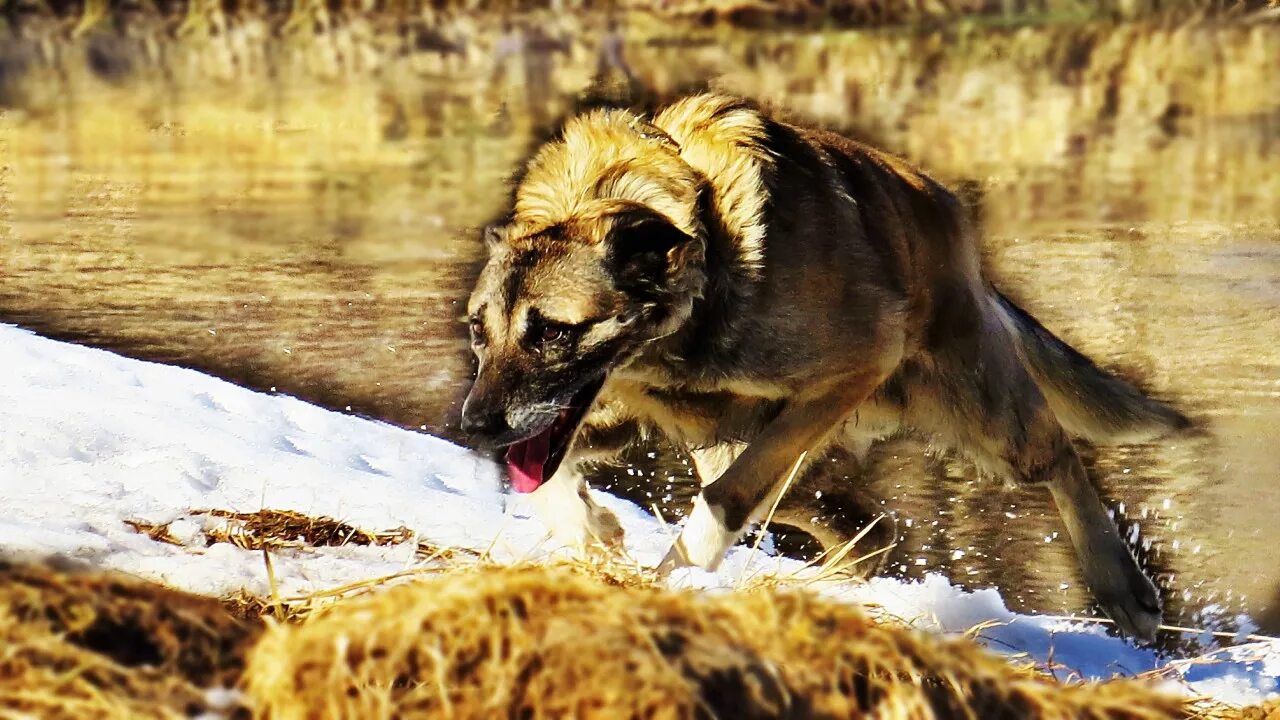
x,y
602,255
552,313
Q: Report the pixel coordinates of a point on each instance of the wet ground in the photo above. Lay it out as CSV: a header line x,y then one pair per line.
x,y
329,258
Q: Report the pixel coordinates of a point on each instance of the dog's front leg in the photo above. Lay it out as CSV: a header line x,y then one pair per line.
x,y
722,511
564,505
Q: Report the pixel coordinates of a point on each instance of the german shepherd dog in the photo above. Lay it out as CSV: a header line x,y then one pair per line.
x,y
758,292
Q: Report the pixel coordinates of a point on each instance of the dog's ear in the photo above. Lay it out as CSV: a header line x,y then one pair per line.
x,y
646,251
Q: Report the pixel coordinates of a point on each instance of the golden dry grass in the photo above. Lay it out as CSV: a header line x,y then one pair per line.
x,y
470,639
294,14
77,644
272,529
538,642
1269,711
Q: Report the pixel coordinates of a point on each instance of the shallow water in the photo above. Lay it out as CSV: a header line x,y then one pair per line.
x,y
315,252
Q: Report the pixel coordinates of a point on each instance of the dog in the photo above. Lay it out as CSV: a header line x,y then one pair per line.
x,y
760,291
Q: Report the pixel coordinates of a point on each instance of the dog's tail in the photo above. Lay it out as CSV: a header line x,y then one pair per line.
x,y
1087,400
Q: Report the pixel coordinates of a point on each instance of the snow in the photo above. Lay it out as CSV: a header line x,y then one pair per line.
x,y
91,440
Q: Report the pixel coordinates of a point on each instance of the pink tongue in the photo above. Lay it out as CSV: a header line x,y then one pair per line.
x,y
527,461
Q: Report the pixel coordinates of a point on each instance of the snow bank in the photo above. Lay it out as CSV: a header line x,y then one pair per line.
x,y
91,440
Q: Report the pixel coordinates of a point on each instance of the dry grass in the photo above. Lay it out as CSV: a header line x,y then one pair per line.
x,y
539,642
76,644
160,532
271,530
289,17
276,529
1269,711
470,639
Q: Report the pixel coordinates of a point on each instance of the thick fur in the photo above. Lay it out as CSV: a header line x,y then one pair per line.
x,y
757,290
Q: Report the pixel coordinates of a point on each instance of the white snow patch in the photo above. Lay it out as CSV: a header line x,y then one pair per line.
x,y
91,439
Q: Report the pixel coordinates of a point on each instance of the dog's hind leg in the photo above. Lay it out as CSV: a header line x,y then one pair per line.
x,y
1112,573
984,402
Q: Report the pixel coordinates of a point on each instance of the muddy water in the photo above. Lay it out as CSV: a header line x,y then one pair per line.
x,y
321,253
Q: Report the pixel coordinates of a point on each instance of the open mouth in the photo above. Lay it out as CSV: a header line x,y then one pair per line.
x,y
533,461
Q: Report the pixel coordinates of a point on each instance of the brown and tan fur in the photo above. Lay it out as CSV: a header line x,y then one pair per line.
x,y
757,290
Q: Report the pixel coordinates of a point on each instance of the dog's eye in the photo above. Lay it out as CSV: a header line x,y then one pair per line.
x,y
477,331
546,334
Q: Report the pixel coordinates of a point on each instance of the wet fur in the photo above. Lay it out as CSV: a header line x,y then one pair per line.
x,y
774,290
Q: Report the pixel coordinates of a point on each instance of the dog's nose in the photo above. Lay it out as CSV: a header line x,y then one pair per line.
x,y
484,424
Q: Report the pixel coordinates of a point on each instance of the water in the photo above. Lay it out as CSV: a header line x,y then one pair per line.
x,y
296,239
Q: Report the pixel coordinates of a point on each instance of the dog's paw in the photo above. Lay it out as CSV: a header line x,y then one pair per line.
x,y
702,542
594,532
603,528
576,521
1134,615
1124,592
